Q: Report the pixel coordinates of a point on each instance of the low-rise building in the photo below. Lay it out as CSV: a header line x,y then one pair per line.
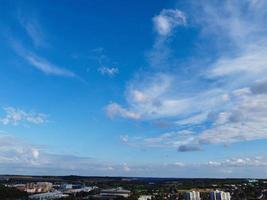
x,y
20,187
192,195
115,192
43,187
220,195
48,196
145,197
32,187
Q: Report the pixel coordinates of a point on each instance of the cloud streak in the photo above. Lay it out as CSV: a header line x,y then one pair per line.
x,y
47,67
40,63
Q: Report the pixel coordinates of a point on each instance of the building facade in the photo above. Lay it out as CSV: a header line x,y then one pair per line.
x,y
193,195
220,195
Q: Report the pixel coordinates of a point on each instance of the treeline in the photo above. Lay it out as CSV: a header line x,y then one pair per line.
x,y
8,193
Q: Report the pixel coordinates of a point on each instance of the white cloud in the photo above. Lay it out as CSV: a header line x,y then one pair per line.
x,y
179,164
139,96
126,167
114,109
16,116
152,101
110,71
14,151
35,153
160,98
240,162
124,138
246,120
252,62
168,20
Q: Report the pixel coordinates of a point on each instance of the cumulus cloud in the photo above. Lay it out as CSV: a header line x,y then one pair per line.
x,y
16,116
168,20
110,71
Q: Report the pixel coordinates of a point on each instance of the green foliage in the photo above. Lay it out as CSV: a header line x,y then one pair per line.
x,y
7,193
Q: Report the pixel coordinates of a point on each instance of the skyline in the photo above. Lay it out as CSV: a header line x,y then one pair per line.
x,y
112,88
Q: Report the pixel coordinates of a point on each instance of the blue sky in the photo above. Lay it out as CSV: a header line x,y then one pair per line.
x,y
165,88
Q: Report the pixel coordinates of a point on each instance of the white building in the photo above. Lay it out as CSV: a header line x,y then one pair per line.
x,y
145,197
220,195
48,196
193,195
116,192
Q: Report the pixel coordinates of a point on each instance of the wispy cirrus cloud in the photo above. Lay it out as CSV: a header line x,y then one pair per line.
x,y
40,63
33,29
47,67
16,116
